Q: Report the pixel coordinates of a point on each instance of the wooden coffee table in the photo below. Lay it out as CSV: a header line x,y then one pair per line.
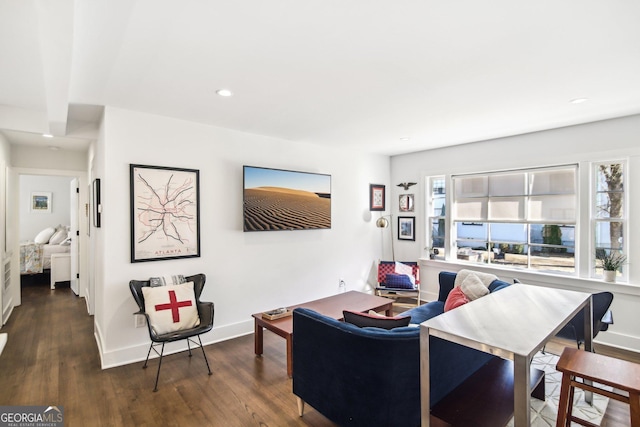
x,y
331,307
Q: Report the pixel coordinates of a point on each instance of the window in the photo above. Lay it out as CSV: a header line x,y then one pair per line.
x,y
436,217
522,218
608,212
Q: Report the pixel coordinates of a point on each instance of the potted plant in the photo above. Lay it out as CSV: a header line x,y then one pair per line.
x,y
611,263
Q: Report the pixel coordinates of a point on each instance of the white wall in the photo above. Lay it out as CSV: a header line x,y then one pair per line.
x,y
246,272
43,158
31,223
599,141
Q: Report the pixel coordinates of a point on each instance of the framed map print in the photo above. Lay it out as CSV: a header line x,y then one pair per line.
x,y
165,213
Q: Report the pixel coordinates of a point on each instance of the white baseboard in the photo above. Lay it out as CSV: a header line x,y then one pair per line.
x,y
138,353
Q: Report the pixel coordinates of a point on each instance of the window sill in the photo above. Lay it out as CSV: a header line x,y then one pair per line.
x,y
536,278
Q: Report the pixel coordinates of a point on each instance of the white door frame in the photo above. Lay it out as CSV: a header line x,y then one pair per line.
x,y
14,242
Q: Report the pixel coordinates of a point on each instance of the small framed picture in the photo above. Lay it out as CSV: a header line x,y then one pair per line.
x,y
406,203
40,202
376,197
406,228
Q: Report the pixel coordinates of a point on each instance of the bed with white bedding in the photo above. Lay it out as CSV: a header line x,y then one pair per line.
x,y
35,256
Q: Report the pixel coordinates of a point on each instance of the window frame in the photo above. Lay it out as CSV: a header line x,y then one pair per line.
x,y
595,219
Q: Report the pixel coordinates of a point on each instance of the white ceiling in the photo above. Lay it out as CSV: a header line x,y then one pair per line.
x,y
356,73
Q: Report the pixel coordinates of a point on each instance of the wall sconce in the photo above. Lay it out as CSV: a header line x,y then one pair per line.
x,y
383,222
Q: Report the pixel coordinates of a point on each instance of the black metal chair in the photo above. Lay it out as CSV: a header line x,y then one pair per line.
x,y
205,313
602,318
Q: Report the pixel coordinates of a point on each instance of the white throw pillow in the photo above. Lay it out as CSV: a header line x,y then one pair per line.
x,y
44,236
171,308
58,237
473,288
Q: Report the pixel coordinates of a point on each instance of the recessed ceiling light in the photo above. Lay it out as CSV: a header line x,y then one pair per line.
x,y
47,135
54,148
224,92
579,100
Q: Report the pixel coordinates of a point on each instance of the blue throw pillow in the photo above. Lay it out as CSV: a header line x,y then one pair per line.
x,y
398,281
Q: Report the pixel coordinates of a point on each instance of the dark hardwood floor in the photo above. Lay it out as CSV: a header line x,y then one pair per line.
x,y
51,358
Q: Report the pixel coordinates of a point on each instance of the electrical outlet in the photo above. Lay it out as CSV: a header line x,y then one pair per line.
x,y
140,321
342,285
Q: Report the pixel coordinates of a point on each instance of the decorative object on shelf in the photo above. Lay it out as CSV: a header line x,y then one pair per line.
x,y
611,263
376,197
406,185
383,222
406,203
278,313
165,213
40,202
97,207
406,228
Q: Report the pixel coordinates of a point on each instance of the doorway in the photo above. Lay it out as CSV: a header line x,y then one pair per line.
x,y
26,184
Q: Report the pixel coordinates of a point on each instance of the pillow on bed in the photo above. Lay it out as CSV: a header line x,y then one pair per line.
x,y
44,235
58,237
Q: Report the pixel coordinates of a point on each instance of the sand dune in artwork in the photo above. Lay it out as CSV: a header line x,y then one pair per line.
x,y
276,208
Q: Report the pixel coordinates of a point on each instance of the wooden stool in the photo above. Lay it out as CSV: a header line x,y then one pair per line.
x,y
616,373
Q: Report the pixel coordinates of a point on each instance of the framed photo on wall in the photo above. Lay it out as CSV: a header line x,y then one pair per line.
x,y
376,197
40,202
165,213
406,228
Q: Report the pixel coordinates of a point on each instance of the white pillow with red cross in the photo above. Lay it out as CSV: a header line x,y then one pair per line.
x,y
171,308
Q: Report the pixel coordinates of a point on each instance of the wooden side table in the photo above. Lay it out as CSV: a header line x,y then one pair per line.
x,y
60,268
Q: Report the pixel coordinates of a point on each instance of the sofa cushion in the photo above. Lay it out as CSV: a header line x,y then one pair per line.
x,y
398,281
374,320
473,287
498,284
455,299
425,311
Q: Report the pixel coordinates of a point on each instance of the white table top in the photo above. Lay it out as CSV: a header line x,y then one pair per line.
x,y
516,320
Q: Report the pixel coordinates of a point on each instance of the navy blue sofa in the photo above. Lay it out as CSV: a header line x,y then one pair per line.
x,y
371,376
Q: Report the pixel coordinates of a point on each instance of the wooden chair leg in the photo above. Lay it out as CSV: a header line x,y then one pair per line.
x,y
634,404
564,416
300,406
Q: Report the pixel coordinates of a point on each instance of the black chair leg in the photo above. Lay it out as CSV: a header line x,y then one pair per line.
x,y
147,359
205,355
189,346
159,365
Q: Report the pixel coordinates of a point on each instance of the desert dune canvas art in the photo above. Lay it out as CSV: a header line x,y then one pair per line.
x,y
276,199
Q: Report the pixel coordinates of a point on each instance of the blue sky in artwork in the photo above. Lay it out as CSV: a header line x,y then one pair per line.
x,y
263,177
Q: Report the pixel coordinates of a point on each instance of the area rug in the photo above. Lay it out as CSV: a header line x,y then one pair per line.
x,y
543,414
